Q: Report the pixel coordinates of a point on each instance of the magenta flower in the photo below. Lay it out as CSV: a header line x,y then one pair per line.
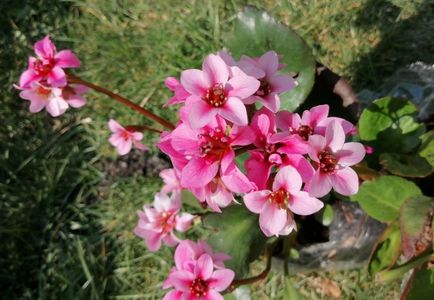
x,y
274,149
199,280
180,94
209,152
158,222
313,121
213,93
189,251
333,158
48,65
271,83
275,207
124,138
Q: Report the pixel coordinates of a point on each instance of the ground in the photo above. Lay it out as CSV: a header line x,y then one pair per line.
x,y
68,205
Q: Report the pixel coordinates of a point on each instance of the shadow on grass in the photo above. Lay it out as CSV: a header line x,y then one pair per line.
x,y
402,42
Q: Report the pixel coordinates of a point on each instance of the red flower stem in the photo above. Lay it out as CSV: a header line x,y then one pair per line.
x,y
142,128
261,276
148,114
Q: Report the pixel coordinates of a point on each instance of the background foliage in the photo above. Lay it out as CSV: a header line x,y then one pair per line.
x,y
67,205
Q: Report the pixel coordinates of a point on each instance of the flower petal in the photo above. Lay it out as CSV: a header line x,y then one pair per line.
x,y
269,62
350,154
181,280
221,279
345,181
335,136
67,59
242,86
215,70
201,113
57,77
45,48
303,204
204,267
272,219
319,185
235,111
282,83
287,178
56,106
27,77
255,201
198,168
194,82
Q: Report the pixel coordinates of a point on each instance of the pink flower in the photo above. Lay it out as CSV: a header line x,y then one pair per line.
x,y
199,280
180,93
275,207
274,149
73,94
271,83
124,138
189,251
171,181
313,121
209,152
48,65
157,222
41,97
333,157
368,149
213,93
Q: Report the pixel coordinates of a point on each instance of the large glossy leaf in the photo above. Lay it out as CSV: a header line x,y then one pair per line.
x,y
386,251
420,286
426,148
389,125
236,232
382,198
406,165
414,218
256,32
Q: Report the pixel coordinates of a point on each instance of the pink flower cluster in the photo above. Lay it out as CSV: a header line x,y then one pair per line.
x,y
198,273
292,159
44,83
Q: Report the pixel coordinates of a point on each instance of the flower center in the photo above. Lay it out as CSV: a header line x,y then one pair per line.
x,y
304,131
43,91
264,88
214,143
327,162
167,221
215,96
199,287
280,198
43,68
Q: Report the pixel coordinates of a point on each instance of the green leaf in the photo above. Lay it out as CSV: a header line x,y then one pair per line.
x,y
382,198
426,148
236,232
406,165
413,218
422,285
256,32
386,251
291,292
389,125
326,215
189,199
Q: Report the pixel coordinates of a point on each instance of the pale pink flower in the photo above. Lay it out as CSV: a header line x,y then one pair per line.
x,y
158,222
124,138
313,121
188,250
213,93
276,207
180,94
171,181
199,280
73,94
271,83
333,158
48,65
209,151
41,97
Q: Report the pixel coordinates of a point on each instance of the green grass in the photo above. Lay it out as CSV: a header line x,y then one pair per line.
x,y
66,231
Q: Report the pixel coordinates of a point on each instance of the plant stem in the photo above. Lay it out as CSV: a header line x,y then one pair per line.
x,y
148,114
142,128
393,274
238,282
